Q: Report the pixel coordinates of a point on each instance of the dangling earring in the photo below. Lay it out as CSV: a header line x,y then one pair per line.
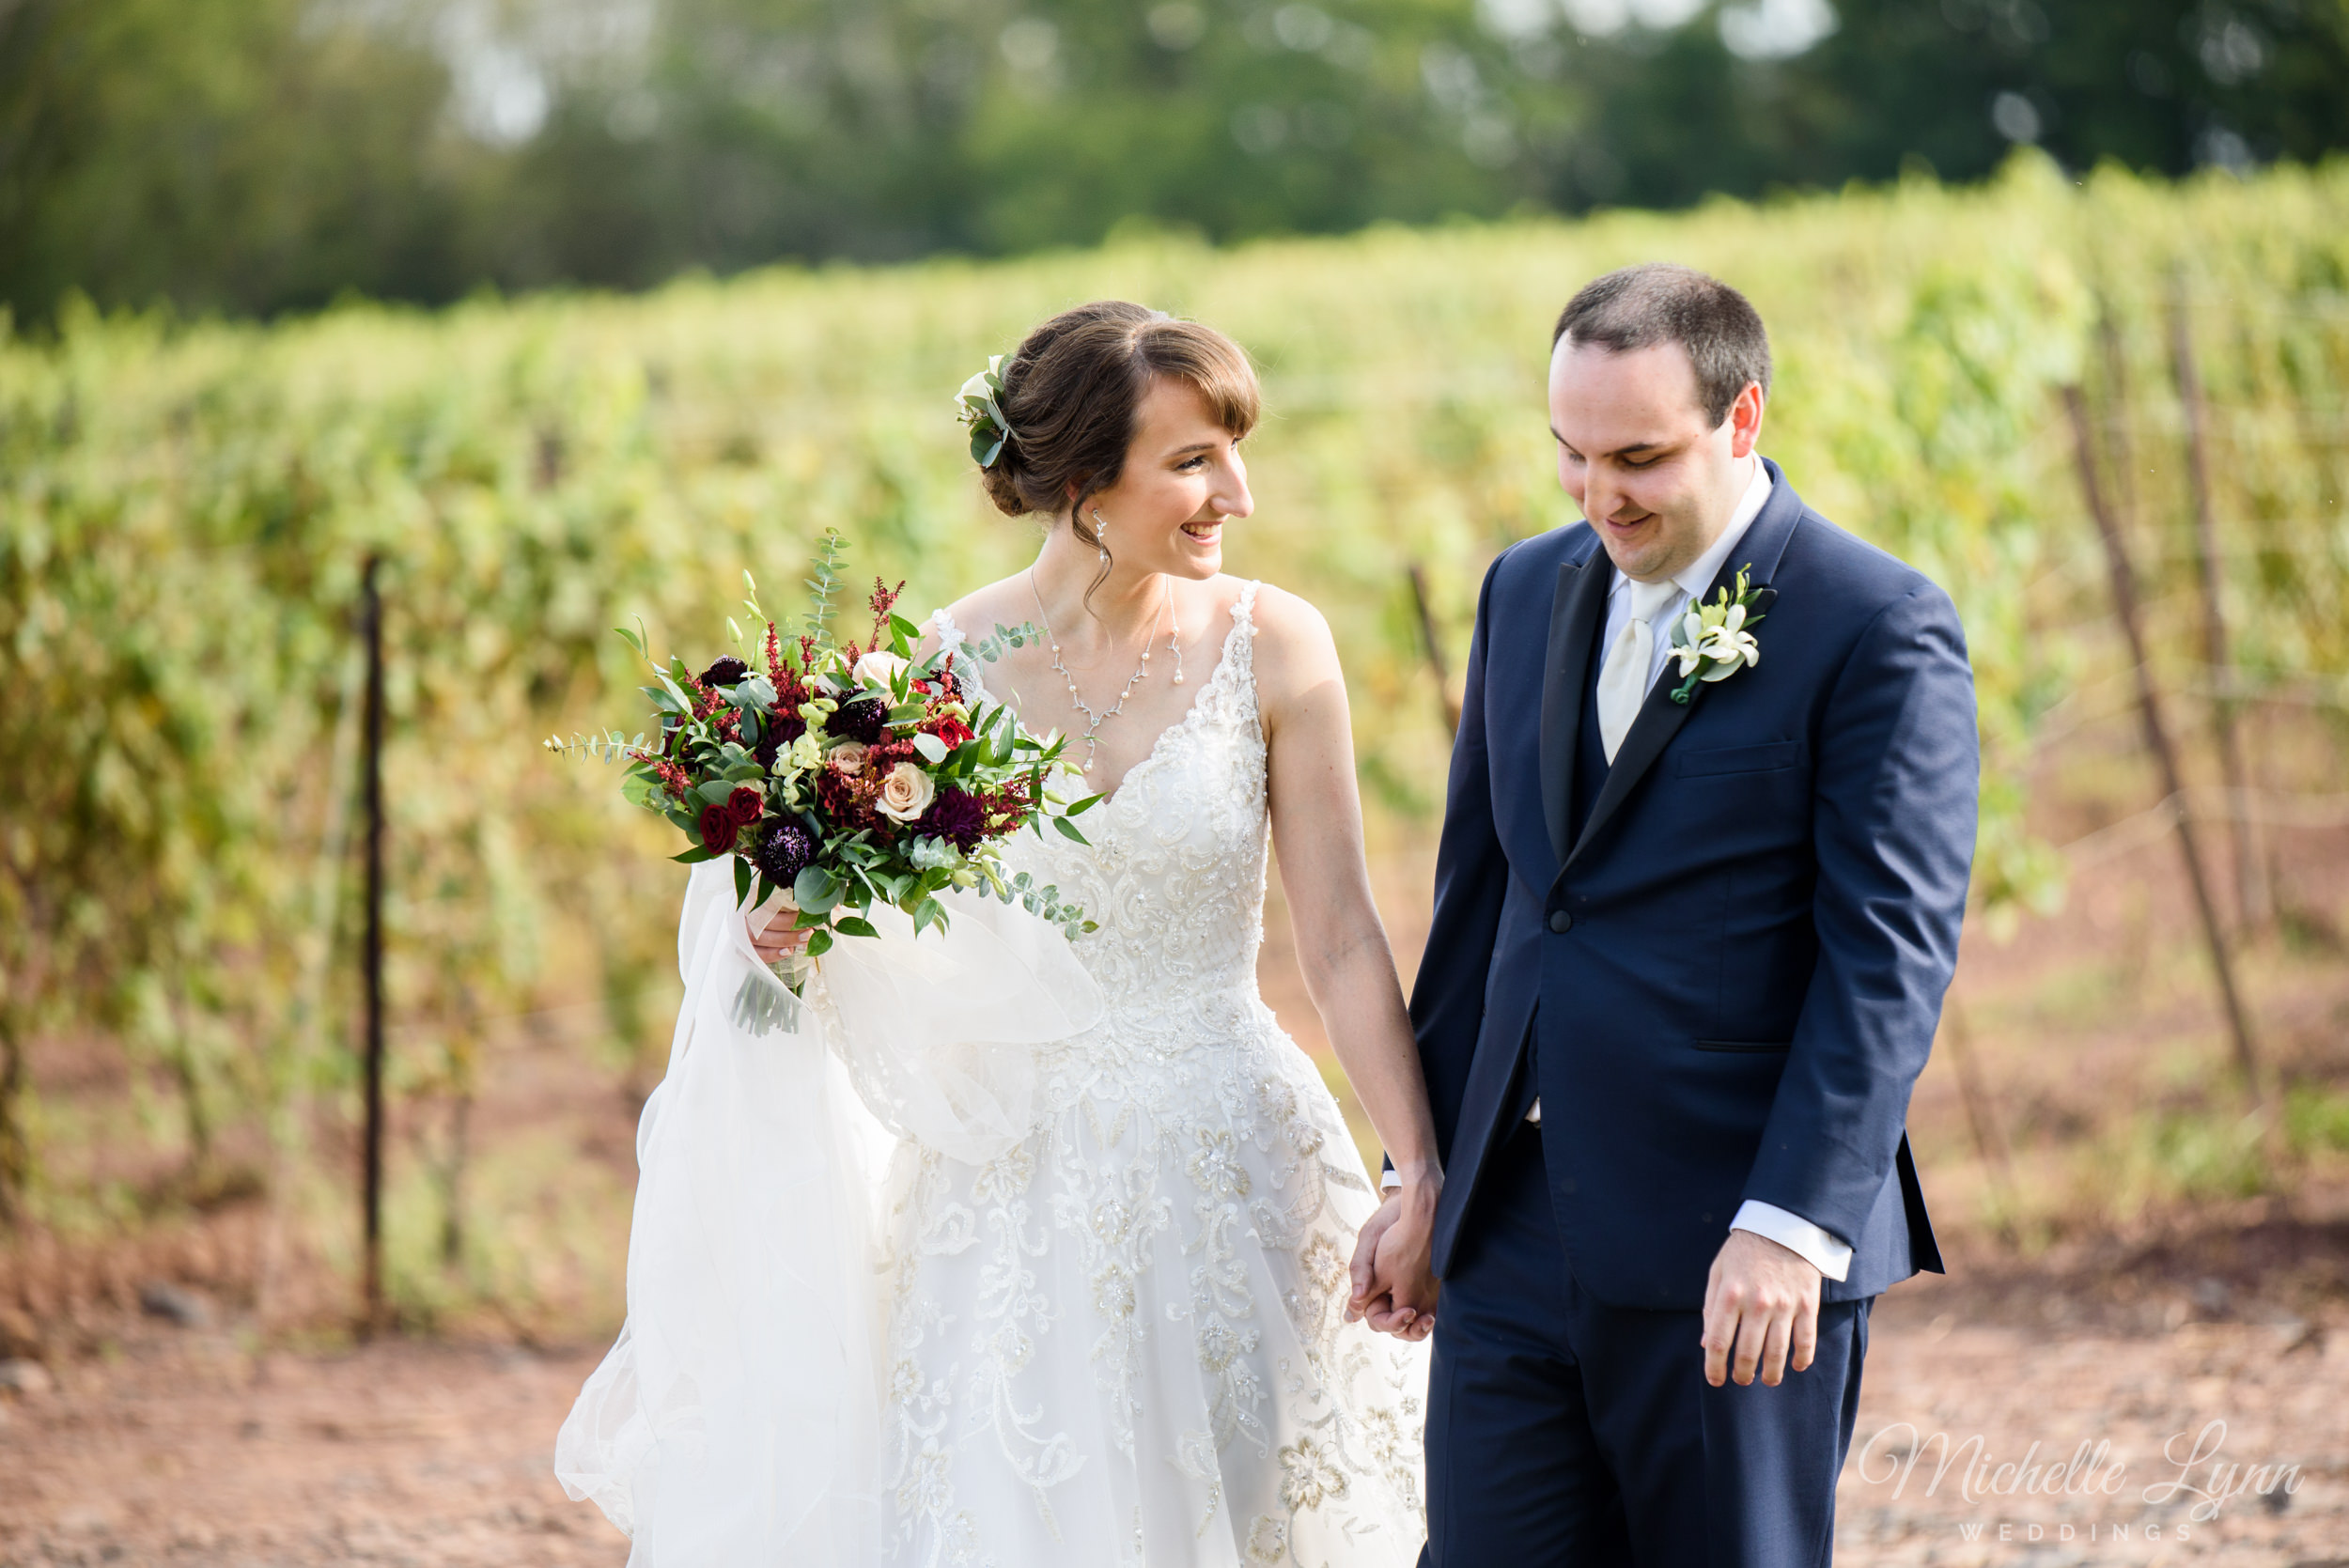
x,y
1099,546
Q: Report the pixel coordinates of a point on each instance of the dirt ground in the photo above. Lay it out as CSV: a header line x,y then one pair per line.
x,y
187,1448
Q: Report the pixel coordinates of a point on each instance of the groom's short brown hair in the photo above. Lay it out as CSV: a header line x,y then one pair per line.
x,y
1637,307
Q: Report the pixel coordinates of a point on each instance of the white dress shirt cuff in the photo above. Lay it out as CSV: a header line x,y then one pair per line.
x,y
1822,1249
1390,1179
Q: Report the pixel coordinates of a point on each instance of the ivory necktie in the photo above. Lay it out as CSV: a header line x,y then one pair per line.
x,y
1623,680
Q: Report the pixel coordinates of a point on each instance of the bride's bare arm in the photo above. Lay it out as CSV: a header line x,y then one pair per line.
x,y
1341,942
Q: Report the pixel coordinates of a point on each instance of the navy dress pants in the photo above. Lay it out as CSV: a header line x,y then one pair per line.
x,y
1564,1433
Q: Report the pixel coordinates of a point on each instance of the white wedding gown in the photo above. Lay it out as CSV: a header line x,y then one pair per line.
x,y
1125,1340
1107,1321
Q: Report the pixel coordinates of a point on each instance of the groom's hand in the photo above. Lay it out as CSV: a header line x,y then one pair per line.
x,y
1394,1287
1761,1304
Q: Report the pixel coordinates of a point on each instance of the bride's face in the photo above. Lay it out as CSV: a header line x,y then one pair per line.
x,y
1182,482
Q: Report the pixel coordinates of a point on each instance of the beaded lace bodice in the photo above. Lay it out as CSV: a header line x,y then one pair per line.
x,y
1174,873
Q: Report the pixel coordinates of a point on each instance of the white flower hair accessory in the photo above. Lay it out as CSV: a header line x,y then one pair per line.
x,y
1712,642
980,407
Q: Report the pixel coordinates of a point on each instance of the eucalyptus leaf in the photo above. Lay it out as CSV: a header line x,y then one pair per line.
x,y
816,891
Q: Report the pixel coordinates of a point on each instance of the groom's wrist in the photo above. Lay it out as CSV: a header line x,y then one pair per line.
x,y
1822,1248
1410,1172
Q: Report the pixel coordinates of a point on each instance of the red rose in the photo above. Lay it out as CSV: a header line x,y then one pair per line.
x,y
745,804
718,830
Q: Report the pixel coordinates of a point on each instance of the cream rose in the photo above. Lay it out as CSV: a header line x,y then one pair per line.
x,y
847,758
906,793
878,668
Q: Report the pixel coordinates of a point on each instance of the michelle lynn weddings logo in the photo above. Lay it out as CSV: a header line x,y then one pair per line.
x,y
2199,1476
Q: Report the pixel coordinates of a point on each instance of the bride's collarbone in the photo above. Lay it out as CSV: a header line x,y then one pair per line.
x,y
1123,739
1156,704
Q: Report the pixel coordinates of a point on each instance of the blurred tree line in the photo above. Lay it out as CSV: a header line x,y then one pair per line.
x,y
262,155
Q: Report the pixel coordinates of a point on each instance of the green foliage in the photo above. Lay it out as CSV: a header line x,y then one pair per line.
x,y
225,154
2317,1117
260,155
185,512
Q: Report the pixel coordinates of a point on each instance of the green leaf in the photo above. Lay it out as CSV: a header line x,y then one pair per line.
x,y
741,880
854,926
715,791
932,749
693,856
816,890
818,943
1068,830
1077,808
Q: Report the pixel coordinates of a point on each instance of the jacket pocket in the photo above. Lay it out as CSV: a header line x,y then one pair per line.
x,y
1768,757
1748,1047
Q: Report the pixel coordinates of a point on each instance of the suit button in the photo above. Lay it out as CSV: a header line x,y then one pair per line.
x,y
1561,922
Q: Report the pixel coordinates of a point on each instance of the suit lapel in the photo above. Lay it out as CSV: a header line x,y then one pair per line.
x,y
1660,718
1575,610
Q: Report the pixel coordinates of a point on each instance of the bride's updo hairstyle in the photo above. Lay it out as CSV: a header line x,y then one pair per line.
x,y
1073,393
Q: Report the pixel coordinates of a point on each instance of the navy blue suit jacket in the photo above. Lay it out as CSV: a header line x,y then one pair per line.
x,y
1760,914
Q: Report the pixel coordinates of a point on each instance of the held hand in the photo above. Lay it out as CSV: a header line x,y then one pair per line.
x,y
1762,1301
1394,1288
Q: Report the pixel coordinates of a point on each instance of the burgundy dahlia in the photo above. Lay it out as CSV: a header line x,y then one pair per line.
x,y
783,850
726,672
956,816
865,720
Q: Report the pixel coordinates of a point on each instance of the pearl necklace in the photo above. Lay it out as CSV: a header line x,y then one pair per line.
x,y
1094,720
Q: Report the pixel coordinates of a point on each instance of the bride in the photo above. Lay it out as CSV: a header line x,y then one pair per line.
x,y
1131,1336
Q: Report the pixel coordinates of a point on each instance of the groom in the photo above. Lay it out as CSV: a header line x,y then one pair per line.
x,y
1685,965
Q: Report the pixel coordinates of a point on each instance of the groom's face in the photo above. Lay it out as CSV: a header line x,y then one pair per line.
x,y
1655,479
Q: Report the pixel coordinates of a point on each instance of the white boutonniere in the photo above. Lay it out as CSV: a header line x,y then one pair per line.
x,y
1713,640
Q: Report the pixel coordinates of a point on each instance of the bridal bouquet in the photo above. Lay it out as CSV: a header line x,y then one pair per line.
x,y
843,775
